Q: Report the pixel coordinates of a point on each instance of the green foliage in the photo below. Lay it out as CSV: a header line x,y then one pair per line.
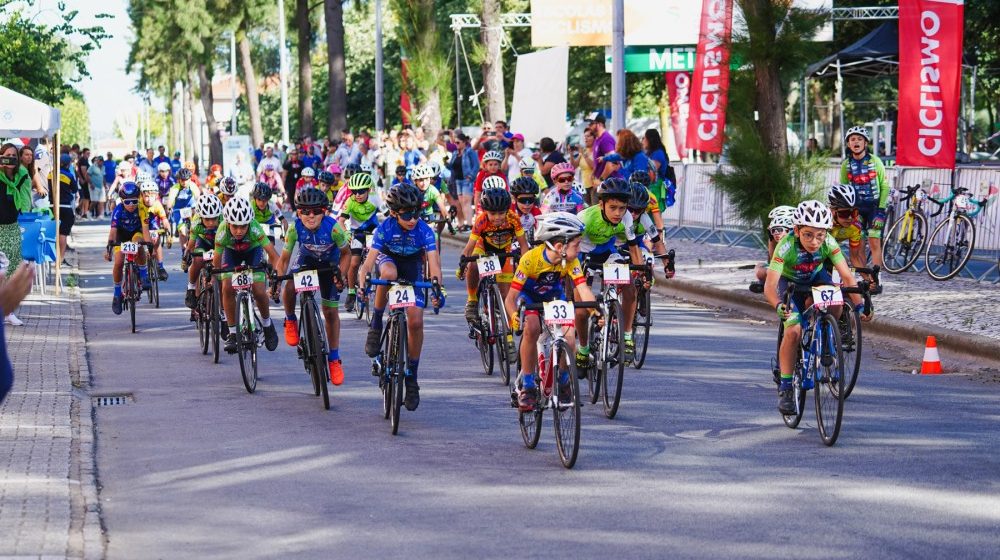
x,y
75,120
429,73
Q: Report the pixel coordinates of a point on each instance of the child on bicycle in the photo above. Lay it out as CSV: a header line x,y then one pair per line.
x,y
645,179
363,217
126,225
154,217
846,224
422,176
241,241
802,258
779,226
645,230
866,172
321,243
184,194
202,239
540,277
490,168
399,249
225,189
266,211
495,228
524,191
563,198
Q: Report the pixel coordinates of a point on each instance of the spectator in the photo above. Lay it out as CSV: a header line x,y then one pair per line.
x,y
290,174
258,154
307,155
504,134
43,158
68,189
83,180
96,171
162,157
146,163
664,186
175,164
241,170
633,158
585,163
411,155
513,154
548,157
464,171
269,157
604,144
346,153
15,198
13,289
38,185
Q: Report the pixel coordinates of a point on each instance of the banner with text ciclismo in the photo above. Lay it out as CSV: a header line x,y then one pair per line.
x,y
679,94
707,119
930,73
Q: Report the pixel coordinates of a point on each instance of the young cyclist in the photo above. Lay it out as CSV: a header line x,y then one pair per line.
x,y
362,215
266,211
649,236
241,241
306,179
490,168
164,182
328,184
270,177
126,225
214,176
400,176
202,239
529,168
564,197
780,226
321,242
183,195
524,191
225,189
866,172
493,232
398,250
846,222
800,258
153,217
541,276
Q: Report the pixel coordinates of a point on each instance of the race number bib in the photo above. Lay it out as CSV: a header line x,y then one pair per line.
x,y
962,202
242,280
186,213
402,296
208,255
827,296
306,281
616,273
129,248
488,266
559,312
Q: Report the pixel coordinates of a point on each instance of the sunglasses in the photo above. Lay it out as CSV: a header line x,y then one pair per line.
x,y
778,230
409,215
564,180
130,202
845,214
526,200
312,211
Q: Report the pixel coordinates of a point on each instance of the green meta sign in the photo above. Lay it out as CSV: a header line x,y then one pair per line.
x,y
655,59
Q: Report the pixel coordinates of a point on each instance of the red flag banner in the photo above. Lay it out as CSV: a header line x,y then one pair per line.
x,y
930,73
709,92
679,94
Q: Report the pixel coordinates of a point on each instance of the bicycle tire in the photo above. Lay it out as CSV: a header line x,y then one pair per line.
x,y
247,344
320,363
829,387
566,418
792,420
482,333
215,321
594,373
613,366
399,371
956,251
640,329
130,297
499,327
901,250
530,423
152,282
202,323
305,343
851,347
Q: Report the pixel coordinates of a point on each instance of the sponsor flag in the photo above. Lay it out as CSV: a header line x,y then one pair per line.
x,y
679,94
709,91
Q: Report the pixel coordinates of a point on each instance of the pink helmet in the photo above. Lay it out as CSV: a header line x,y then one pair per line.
x,y
560,168
333,168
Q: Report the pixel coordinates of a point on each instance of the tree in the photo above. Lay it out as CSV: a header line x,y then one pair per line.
x,y
305,34
490,34
429,71
336,72
75,120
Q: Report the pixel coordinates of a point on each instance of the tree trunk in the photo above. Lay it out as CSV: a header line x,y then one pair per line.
x,y
770,99
490,34
253,95
337,85
305,67
191,144
430,114
207,102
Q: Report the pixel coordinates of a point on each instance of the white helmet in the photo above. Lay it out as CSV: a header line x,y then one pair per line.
x,y
859,130
238,211
422,171
143,177
492,155
783,220
841,196
555,225
164,166
494,182
308,172
813,213
578,187
781,211
366,167
209,206
527,164
228,186
148,186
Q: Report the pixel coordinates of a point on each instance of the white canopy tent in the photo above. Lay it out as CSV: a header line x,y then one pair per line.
x,y
24,117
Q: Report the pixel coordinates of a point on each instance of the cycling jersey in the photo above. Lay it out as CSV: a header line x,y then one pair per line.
x,y
182,196
153,216
360,215
868,177
496,238
600,235
645,228
204,238
558,201
305,182
254,238
850,233
528,221
125,220
432,198
800,266
164,184
540,280
322,244
270,215
390,238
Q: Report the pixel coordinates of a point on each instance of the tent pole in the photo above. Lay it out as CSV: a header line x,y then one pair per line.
x,y
840,106
804,119
56,183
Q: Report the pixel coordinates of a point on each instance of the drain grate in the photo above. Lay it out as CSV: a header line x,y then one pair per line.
x,y
113,400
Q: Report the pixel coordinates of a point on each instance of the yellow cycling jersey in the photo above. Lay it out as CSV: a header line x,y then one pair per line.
x,y
851,233
154,216
542,280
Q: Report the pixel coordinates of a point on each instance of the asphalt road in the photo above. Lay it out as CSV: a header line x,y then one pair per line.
x,y
697,463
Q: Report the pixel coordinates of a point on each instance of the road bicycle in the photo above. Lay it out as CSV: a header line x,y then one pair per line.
x,y
390,365
249,326
954,239
643,321
493,328
850,327
131,282
904,241
312,348
207,312
362,308
558,392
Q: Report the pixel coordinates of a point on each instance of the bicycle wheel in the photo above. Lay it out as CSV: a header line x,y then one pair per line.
x,y
903,243
792,420
613,366
828,372
850,343
317,336
499,326
398,360
247,346
483,332
566,416
640,330
152,283
949,248
215,321
204,330
307,350
594,373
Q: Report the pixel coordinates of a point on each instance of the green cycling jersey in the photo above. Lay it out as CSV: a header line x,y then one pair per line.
x,y
600,234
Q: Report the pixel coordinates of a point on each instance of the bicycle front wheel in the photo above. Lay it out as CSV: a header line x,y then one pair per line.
x,y
594,373
950,247
247,346
903,243
317,346
566,413
202,324
640,330
613,366
397,358
850,343
216,321
828,373
499,327
482,333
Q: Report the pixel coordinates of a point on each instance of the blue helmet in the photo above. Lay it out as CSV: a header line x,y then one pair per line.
x,y
128,190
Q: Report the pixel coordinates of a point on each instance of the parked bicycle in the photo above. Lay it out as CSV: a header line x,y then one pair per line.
x,y
953,240
904,241
493,328
249,325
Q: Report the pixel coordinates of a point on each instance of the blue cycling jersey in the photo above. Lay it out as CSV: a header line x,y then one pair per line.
x,y
323,244
164,184
390,238
184,198
125,220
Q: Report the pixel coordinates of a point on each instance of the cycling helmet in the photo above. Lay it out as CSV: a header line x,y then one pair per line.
x,y
128,190
149,186
841,196
262,191
308,172
578,187
333,168
360,182
327,177
422,171
783,220
209,206
492,155
813,213
527,164
400,170
143,177
859,130
524,185
366,167
311,197
238,212
183,174
614,187
640,177
404,195
780,211
164,166
351,169
435,168
494,182
215,168
271,167
227,186
640,197
495,200
561,169
189,165
557,226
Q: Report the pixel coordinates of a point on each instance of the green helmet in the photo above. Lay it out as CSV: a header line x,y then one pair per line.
x,y
360,182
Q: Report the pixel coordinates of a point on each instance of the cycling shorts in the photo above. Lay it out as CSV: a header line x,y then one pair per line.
x,y
410,269
327,289
252,257
800,301
866,215
123,235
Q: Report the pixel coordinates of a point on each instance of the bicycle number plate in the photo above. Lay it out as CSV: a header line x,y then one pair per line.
x,y
242,280
616,273
129,248
962,202
488,266
208,255
402,296
306,281
827,296
369,239
559,312
186,213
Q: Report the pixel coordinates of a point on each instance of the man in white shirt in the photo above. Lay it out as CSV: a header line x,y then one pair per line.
x,y
269,157
347,152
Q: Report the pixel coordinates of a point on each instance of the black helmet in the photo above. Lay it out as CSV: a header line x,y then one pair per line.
x,y
327,177
262,191
640,197
311,197
400,169
404,195
495,200
614,187
641,177
183,174
351,169
524,185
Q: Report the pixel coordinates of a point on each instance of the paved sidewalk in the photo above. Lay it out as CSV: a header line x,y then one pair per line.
x,y
48,495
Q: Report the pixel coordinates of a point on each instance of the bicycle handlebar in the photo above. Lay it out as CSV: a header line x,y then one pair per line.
x,y
473,258
863,289
322,268
240,268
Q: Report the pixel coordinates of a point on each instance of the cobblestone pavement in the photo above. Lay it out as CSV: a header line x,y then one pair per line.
x,y
959,304
48,504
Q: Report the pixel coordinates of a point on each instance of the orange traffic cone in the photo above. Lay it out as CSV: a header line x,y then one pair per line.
x,y
932,361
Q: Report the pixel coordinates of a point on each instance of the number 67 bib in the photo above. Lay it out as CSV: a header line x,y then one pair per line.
x,y
827,296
